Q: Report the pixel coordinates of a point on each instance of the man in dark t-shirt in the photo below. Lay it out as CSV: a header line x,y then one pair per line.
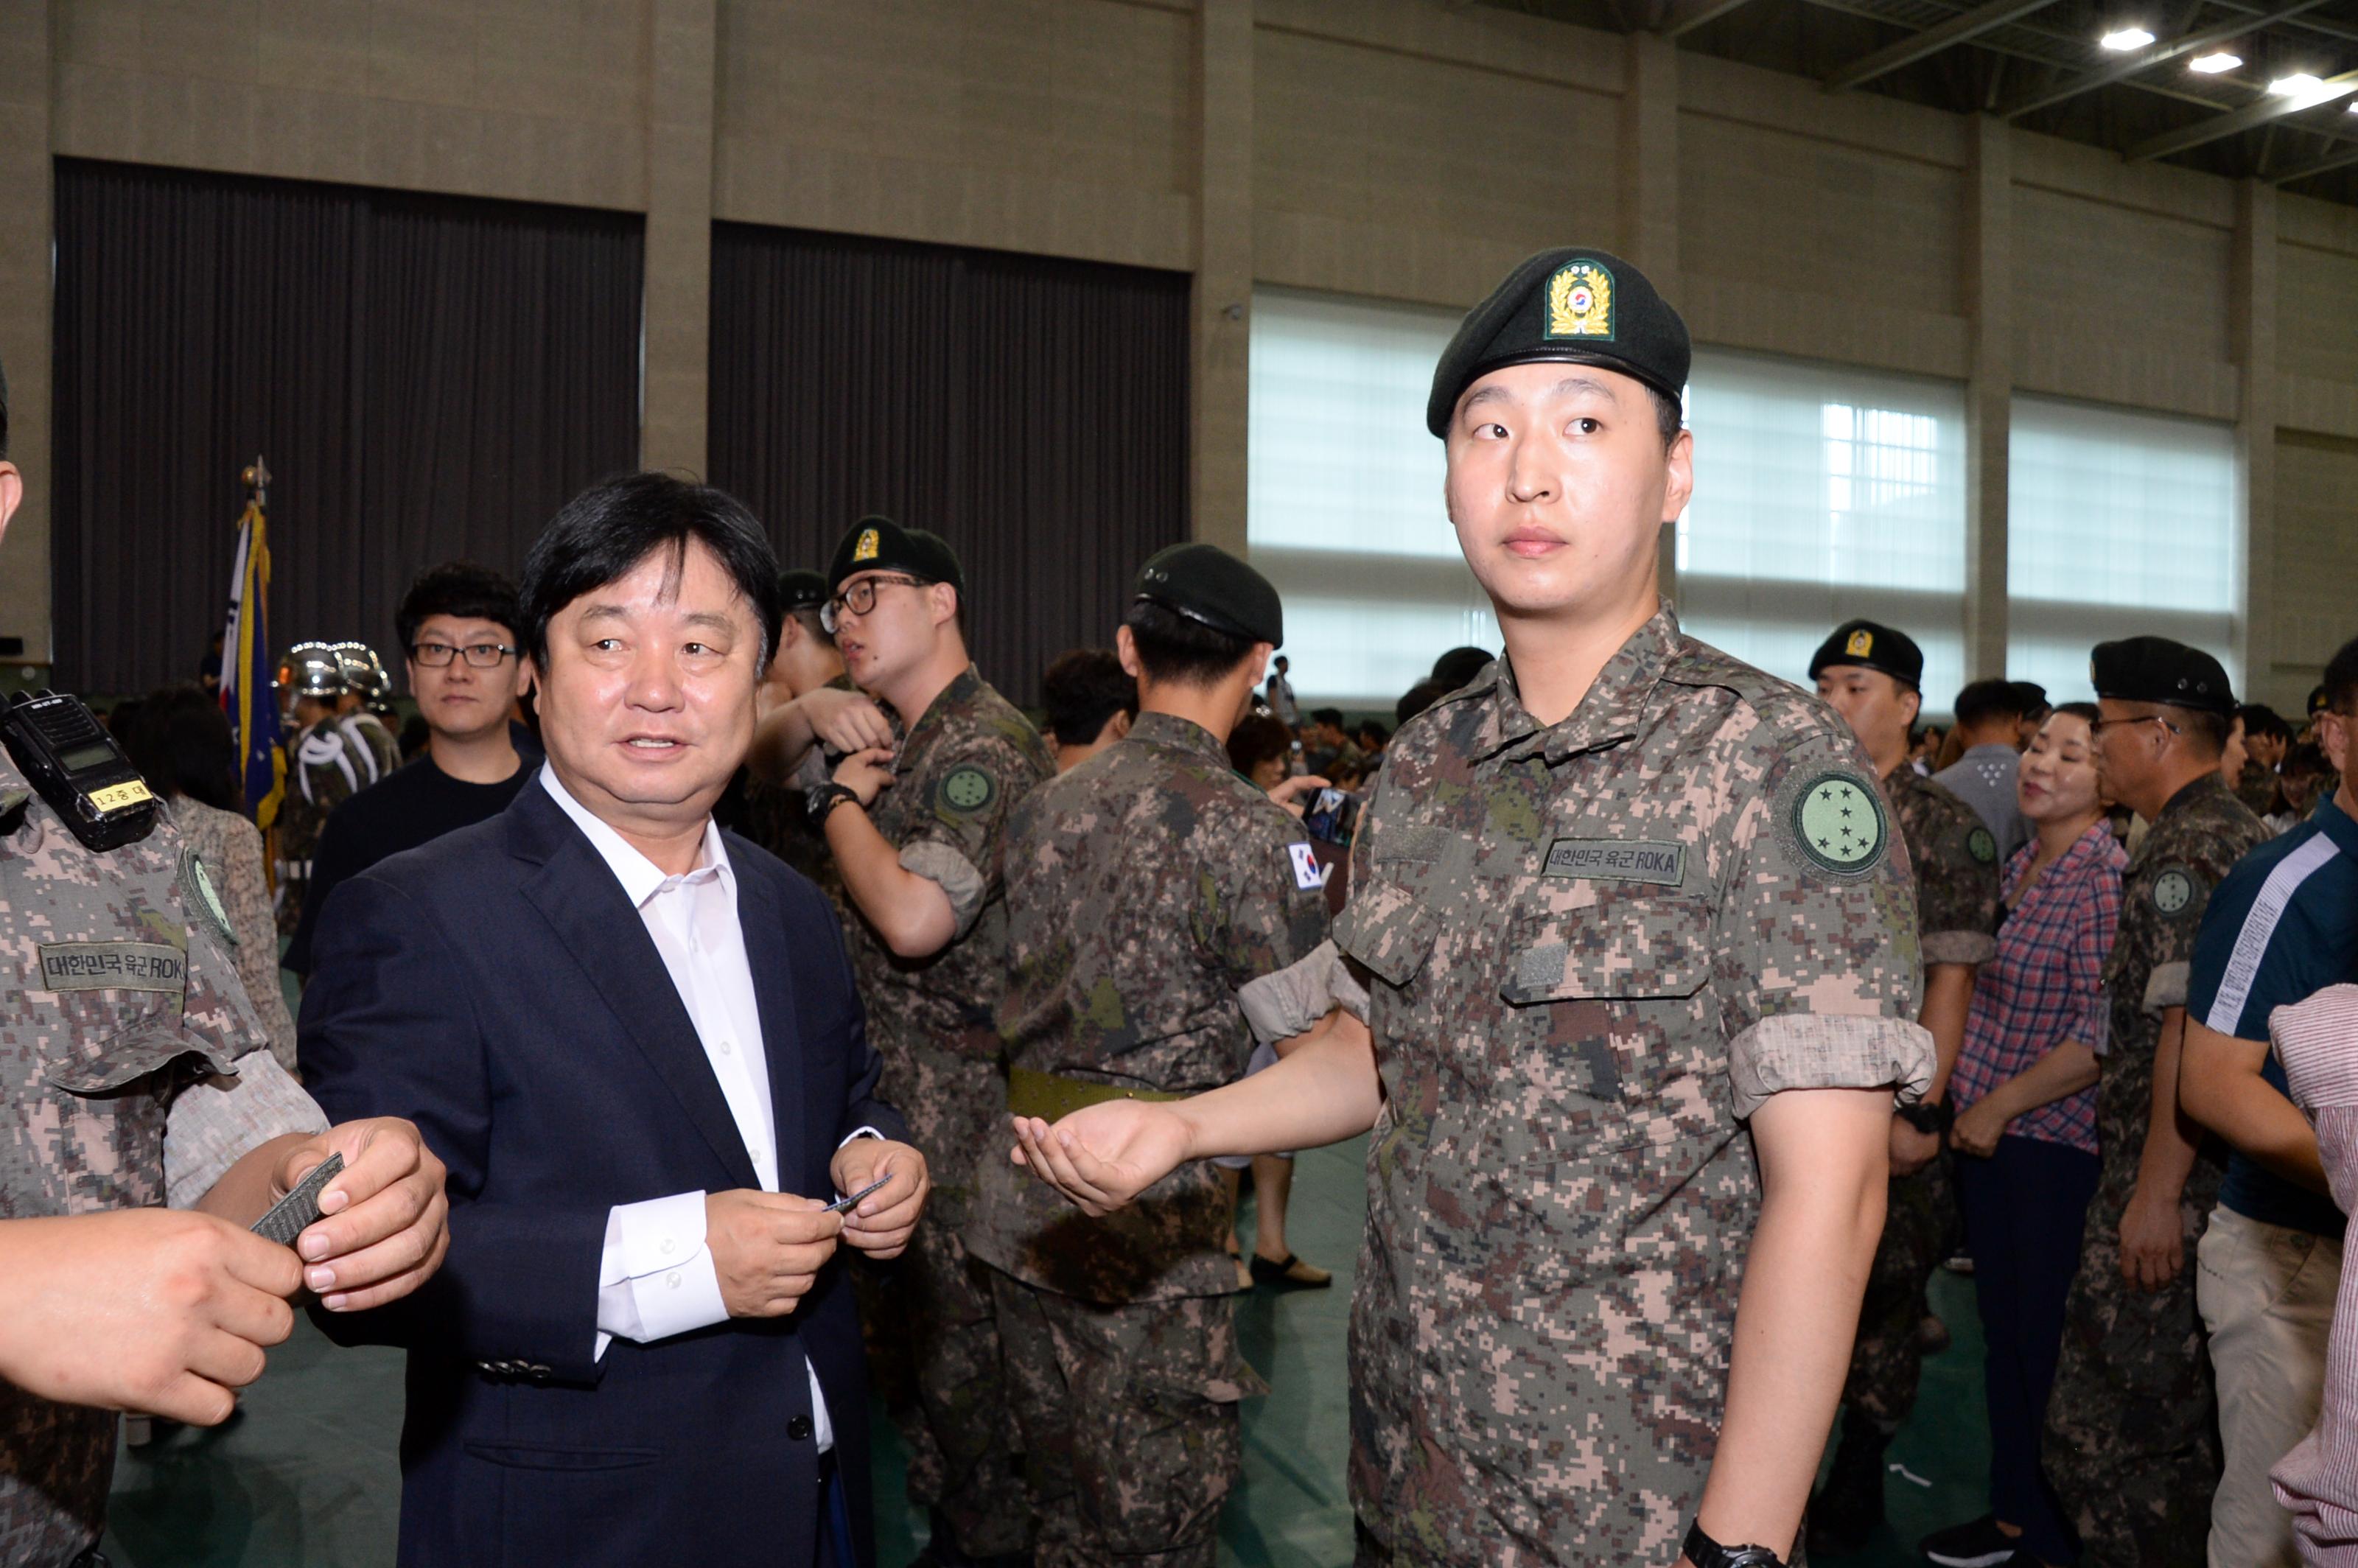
x,y
458,636
2281,927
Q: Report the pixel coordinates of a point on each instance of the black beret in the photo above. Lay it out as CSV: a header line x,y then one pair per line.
x,y
2317,699
1871,646
2155,669
802,588
881,545
1570,306
1206,584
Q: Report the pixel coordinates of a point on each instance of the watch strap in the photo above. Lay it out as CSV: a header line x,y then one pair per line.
x,y
1704,1552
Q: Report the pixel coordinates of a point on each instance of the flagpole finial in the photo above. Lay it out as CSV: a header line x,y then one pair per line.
x,y
256,478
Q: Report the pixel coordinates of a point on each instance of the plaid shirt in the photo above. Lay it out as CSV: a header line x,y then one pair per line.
x,y
2046,985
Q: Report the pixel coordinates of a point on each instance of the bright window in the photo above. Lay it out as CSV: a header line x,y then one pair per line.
x,y
1823,492
1343,501
2117,525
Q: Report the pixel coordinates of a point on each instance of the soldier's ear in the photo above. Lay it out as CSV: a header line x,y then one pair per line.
x,y
12,495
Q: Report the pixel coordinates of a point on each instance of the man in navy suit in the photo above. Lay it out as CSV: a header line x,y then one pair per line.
x,y
634,1039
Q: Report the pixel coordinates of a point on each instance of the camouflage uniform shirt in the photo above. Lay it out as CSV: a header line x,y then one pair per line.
x,y
1593,949
1955,857
1159,911
122,1022
966,761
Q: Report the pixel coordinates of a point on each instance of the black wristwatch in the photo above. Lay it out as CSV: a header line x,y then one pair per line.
x,y
1926,1116
824,799
1704,1552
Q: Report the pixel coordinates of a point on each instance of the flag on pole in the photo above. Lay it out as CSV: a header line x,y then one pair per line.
x,y
247,694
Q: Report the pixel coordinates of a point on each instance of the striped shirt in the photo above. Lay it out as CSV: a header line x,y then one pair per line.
x,y
2281,927
2046,985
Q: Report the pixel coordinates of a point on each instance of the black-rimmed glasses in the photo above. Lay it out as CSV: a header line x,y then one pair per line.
x,y
859,598
480,656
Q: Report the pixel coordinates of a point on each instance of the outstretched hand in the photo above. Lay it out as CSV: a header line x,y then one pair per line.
x,y
1102,1156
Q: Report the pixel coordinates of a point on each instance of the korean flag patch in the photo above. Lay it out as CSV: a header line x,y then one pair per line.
x,y
1307,873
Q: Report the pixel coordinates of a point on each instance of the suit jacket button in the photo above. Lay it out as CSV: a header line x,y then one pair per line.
x,y
799,1429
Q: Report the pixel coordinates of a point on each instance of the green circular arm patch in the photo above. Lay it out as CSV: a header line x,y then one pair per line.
x,y
968,789
2173,891
1838,820
1982,845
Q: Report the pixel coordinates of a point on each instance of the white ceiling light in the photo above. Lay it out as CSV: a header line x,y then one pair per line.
x,y
2125,38
2300,84
2213,64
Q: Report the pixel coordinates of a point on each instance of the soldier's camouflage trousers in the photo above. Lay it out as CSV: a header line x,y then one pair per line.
x,y
1887,1358
1129,1423
2132,1427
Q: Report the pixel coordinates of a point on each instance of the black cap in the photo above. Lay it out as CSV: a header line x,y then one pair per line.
x,y
1570,306
1871,646
1206,584
2155,669
801,588
881,545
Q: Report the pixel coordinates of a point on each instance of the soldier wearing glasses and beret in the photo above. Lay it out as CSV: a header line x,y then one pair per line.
x,y
1625,1009
914,831
2132,1433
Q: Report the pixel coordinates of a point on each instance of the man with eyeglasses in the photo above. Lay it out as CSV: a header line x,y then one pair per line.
x,y
2132,1440
915,831
457,625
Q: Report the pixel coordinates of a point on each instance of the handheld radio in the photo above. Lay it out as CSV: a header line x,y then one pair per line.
x,y
77,767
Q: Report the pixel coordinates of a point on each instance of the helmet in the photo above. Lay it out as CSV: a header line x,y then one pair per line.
x,y
312,669
364,672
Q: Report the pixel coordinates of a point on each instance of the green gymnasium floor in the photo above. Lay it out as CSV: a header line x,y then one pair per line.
x,y
306,1478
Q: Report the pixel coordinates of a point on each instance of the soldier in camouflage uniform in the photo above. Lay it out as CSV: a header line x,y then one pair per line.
x,y
324,768
2132,1440
1873,676
134,1074
777,814
915,834
1162,915
1611,902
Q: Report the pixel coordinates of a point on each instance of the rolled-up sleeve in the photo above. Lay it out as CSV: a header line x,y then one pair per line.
x,y
215,1120
2095,925
1816,963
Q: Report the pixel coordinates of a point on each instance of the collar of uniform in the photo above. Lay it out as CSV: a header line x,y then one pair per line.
x,y
2331,821
1608,714
2207,785
1180,734
960,690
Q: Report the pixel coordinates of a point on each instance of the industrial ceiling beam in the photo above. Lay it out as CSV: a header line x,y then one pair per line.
x,y
2267,107
2046,97
1957,29
2342,158
1686,15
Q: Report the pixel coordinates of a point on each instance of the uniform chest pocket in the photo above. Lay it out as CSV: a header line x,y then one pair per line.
x,y
141,1047
1388,928
1614,1029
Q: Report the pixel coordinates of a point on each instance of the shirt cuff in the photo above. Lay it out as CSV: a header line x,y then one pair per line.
x,y
1959,947
2165,986
1286,1002
950,871
215,1120
655,1276
1827,1051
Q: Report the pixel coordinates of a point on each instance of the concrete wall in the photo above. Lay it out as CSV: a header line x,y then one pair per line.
x,y
1399,149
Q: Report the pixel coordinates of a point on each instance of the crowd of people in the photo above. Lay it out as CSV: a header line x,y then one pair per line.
x,y
732,999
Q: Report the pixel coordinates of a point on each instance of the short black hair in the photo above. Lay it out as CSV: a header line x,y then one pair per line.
x,y
2259,719
1419,697
813,624
2033,698
458,589
1173,648
1327,715
178,739
1986,701
1372,734
1459,666
1286,662
1083,689
2342,680
1258,737
2086,712
2304,759
2206,727
1670,418
600,536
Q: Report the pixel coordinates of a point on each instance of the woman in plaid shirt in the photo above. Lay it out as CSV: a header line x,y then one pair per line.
x,y
2024,1090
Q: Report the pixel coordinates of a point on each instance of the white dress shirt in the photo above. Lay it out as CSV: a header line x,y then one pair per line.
x,y
656,1277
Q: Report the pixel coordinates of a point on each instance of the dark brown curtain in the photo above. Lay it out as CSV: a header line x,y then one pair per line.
x,y
429,378
1033,412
